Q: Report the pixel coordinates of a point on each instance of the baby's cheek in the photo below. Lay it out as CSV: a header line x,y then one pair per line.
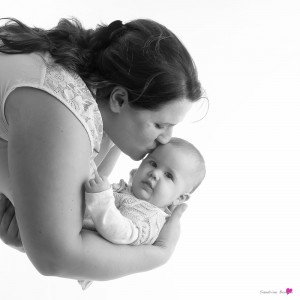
x,y
162,193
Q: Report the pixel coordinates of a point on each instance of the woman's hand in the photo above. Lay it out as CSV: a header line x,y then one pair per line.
x,y
9,230
170,233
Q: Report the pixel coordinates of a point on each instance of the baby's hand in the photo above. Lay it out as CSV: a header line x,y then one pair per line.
x,y
97,185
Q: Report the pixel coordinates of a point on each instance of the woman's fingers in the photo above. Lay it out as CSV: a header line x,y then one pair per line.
x,y
4,202
170,232
9,230
178,211
13,229
7,217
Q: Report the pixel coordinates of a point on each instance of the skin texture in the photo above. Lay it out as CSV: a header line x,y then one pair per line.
x,y
164,176
48,165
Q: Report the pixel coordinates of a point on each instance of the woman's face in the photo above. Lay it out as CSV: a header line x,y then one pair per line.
x,y
137,132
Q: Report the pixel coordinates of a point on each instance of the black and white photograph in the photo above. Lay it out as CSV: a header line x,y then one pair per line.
x,y
149,149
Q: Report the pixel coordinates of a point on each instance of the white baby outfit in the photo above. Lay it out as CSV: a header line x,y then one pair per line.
x,y
122,218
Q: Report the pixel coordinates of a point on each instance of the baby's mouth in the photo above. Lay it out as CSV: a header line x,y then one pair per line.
x,y
147,185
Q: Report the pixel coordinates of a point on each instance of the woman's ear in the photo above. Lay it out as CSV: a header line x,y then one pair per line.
x,y
118,98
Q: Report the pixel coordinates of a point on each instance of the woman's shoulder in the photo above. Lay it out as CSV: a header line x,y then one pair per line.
x,y
70,89
38,70
18,68
68,85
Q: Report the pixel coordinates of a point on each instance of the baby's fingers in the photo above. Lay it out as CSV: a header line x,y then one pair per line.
x,y
93,182
87,184
97,178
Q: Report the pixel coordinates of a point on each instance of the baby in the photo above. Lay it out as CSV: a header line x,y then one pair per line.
x,y
134,213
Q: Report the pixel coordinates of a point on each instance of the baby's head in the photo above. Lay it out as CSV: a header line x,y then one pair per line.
x,y
169,174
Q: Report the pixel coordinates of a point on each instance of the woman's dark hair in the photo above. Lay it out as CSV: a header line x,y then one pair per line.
x,y
142,56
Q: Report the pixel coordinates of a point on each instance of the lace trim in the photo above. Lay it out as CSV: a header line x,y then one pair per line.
x,y
71,89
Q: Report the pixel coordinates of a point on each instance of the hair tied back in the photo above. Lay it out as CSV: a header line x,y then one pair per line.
x,y
114,28
105,34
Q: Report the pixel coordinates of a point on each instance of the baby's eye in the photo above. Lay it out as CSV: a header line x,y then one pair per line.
x,y
152,163
169,175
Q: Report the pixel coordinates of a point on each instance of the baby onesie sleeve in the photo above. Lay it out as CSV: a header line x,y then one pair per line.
x,y
121,219
102,213
149,227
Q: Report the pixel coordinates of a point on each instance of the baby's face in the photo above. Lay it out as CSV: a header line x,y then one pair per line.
x,y
163,176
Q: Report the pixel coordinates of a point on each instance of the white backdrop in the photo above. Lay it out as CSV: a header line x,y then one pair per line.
x,y
240,235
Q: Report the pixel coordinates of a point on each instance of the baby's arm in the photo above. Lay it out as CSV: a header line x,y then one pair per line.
x,y
97,185
107,219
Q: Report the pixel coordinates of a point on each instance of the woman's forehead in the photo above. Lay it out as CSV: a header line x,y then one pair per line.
x,y
173,112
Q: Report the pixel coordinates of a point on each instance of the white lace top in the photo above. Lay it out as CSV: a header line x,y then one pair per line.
x,y
39,71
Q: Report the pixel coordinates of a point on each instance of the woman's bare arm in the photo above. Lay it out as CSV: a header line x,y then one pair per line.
x,y
48,164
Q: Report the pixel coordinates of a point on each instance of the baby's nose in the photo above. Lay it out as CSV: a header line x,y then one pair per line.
x,y
154,174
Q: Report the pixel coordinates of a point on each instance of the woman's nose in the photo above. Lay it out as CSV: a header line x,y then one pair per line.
x,y
165,136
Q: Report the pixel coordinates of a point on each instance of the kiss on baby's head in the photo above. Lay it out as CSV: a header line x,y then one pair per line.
x,y
169,174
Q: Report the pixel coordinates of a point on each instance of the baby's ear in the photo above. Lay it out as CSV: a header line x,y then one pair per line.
x,y
182,198
131,174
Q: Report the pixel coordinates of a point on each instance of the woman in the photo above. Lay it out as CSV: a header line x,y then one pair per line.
x,y
53,86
